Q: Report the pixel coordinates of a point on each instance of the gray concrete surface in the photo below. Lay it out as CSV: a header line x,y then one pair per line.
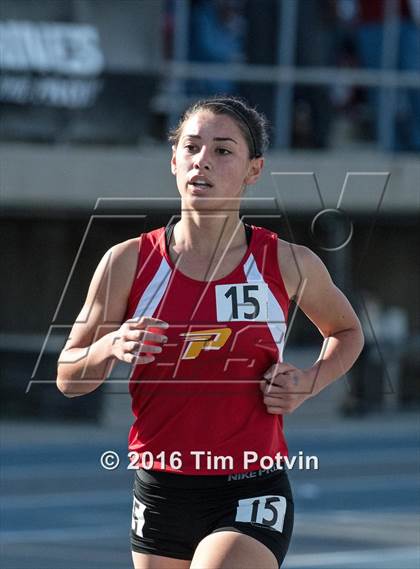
x,y
32,173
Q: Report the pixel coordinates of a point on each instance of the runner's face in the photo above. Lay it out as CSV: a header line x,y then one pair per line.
x,y
211,160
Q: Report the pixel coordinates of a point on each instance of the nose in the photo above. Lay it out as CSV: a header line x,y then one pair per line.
x,y
201,160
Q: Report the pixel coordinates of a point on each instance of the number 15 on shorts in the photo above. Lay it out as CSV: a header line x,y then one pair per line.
x,y
268,511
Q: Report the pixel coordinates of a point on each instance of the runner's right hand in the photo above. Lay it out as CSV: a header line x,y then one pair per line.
x,y
128,342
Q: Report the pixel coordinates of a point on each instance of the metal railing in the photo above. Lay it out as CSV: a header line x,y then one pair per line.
x,y
286,75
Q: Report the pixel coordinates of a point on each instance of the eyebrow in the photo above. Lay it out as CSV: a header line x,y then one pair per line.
x,y
218,138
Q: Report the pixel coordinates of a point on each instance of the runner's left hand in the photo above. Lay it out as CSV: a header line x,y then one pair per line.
x,y
285,387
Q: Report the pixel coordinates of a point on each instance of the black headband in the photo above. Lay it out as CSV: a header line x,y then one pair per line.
x,y
243,118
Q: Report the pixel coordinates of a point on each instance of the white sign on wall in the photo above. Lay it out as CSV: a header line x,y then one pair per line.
x,y
67,56
70,49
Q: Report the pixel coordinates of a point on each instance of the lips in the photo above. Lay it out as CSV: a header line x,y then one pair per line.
x,y
200,182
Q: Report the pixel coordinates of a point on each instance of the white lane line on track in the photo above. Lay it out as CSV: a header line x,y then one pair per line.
x,y
351,558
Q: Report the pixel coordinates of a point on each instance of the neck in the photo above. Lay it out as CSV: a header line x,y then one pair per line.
x,y
209,232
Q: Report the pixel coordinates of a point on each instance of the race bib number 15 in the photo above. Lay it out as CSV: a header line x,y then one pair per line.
x,y
267,511
245,302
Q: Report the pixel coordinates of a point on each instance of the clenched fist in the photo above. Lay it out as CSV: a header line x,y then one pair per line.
x,y
285,387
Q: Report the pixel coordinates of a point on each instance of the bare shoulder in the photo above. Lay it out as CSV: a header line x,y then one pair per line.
x,y
126,248
109,289
298,264
120,262
115,273
125,253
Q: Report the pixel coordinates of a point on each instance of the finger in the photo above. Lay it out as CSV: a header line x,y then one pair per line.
x,y
278,367
274,401
132,321
133,359
279,380
137,348
134,335
268,387
131,347
272,389
275,411
144,335
152,337
144,359
149,321
149,348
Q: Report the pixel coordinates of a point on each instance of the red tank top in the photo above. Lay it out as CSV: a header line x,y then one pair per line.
x,y
200,399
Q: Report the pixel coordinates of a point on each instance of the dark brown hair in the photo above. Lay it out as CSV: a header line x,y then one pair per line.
x,y
253,124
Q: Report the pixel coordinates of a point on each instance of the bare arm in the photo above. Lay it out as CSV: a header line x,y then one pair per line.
x,y
99,337
330,311
307,279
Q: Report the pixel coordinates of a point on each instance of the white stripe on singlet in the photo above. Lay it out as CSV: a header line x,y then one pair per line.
x,y
154,291
276,321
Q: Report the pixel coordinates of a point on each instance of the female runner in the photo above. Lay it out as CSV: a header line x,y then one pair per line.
x,y
200,309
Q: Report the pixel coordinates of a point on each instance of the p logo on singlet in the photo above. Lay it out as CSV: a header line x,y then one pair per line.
x,y
198,340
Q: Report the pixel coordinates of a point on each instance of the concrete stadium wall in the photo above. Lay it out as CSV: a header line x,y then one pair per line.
x,y
63,177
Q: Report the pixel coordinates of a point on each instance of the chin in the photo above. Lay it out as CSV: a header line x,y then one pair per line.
x,y
202,203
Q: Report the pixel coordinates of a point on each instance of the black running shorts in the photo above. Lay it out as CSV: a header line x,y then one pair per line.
x,y
172,513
